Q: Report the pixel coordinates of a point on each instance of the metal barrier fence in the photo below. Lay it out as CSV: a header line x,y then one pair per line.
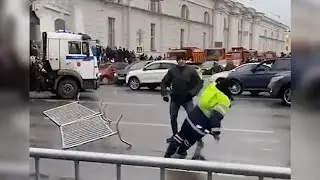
x,y
143,161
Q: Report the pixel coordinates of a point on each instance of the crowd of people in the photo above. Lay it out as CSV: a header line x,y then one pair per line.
x,y
118,54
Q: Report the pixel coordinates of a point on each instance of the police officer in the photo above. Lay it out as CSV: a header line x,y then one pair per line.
x,y
205,118
185,83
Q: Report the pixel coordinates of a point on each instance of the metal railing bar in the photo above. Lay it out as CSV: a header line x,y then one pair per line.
x,y
209,176
37,167
144,161
76,170
118,171
162,173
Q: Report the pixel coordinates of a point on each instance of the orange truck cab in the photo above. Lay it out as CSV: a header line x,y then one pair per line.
x,y
193,54
240,53
270,55
215,53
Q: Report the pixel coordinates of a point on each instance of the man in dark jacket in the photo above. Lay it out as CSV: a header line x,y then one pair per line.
x,y
185,83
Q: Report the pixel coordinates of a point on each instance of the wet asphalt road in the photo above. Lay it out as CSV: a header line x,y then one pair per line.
x,y
256,131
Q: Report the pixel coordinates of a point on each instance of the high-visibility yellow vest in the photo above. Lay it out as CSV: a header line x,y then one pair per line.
x,y
213,99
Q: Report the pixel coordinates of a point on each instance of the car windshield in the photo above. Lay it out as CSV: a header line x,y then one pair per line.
x,y
137,65
207,64
214,52
120,66
282,65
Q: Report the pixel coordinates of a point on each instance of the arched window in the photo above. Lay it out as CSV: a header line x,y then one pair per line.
x,y
59,24
265,33
206,18
271,34
184,12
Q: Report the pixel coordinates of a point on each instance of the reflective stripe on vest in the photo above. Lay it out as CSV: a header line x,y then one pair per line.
x,y
222,109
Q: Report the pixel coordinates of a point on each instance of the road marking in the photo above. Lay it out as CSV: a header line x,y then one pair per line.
x,y
93,101
225,129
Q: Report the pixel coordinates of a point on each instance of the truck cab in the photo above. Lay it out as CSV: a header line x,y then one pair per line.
x,y
68,63
215,54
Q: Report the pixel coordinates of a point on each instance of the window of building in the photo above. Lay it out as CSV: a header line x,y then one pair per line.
x,y
204,40
152,37
184,12
277,35
59,24
271,34
181,38
206,18
111,31
74,47
265,33
155,6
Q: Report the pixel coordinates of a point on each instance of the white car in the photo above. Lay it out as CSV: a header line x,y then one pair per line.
x,y
218,76
150,76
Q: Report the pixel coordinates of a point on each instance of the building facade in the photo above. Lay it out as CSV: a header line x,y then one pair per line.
x,y
158,25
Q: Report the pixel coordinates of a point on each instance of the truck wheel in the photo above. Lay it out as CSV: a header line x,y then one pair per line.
x,y
68,89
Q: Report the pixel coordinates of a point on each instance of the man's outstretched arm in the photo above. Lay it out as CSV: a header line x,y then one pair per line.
x,y
165,83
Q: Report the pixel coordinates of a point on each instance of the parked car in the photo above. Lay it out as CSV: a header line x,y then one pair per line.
x,y
121,74
280,87
150,76
255,77
211,67
197,68
107,71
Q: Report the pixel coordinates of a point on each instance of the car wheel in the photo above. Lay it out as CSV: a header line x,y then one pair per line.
x,y
236,88
286,96
254,93
134,83
152,86
67,89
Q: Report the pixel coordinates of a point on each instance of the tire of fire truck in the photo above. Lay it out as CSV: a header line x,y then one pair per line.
x,y
68,88
236,88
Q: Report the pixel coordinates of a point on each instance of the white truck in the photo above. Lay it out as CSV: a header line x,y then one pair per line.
x,y
66,67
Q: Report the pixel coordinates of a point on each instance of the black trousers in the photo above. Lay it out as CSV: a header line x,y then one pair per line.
x,y
174,110
194,128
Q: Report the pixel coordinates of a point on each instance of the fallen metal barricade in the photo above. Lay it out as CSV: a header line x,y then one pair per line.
x,y
80,125
163,163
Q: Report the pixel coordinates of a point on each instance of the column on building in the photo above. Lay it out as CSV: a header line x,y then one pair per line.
x,y
246,32
256,42
78,20
219,27
233,29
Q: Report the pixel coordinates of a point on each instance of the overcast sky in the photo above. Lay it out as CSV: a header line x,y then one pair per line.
x,y
272,8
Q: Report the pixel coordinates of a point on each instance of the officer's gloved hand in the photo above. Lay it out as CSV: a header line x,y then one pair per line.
x,y
165,98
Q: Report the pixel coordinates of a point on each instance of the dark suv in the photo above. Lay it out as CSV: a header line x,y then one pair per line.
x,y
280,87
255,77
